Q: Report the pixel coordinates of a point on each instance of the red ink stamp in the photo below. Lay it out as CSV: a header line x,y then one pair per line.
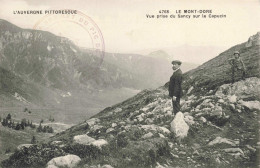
x,y
78,27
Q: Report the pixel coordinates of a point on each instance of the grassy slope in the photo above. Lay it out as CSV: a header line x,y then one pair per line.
x,y
10,139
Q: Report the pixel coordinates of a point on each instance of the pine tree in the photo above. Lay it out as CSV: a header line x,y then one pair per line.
x,y
44,129
13,125
50,130
39,129
4,123
51,119
22,126
18,126
33,141
25,109
32,125
9,117
9,123
24,122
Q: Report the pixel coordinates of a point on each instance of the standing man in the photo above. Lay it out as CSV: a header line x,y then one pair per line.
x,y
237,65
175,89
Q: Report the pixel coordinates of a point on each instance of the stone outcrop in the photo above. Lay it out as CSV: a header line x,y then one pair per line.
x,y
99,143
83,139
179,126
69,161
87,140
219,140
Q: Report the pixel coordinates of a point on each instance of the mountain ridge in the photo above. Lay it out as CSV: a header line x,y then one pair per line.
x,y
56,62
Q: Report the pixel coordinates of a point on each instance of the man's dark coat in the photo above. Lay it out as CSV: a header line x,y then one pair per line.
x,y
175,88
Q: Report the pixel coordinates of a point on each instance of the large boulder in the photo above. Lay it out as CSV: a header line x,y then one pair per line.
x,y
252,105
179,126
237,152
155,128
107,166
189,120
147,136
83,139
69,161
99,143
244,89
117,110
163,130
110,130
232,98
217,111
220,140
91,122
87,140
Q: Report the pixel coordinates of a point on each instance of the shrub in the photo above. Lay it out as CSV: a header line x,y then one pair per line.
x,y
33,141
9,117
34,156
135,134
152,157
39,129
122,140
8,150
89,152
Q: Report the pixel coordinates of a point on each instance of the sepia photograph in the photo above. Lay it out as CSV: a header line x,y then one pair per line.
x,y
129,84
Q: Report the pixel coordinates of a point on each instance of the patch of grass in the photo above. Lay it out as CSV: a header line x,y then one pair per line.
x,y
88,152
34,156
10,139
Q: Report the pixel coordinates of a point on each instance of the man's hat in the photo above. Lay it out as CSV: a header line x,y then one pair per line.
x,y
236,52
176,61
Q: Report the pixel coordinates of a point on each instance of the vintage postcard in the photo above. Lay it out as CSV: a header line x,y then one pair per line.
x,y
129,84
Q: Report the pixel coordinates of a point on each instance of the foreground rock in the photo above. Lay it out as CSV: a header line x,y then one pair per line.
x,y
69,161
179,126
87,140
220,140
83,139
99,143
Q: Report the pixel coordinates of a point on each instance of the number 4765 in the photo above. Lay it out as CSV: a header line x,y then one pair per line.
x,y
164,11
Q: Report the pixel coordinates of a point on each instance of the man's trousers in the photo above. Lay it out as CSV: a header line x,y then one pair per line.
x,y
176,105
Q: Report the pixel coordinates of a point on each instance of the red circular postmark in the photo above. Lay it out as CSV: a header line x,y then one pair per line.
x,y
84,32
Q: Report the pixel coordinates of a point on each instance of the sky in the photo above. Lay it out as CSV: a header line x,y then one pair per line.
x,y
125,28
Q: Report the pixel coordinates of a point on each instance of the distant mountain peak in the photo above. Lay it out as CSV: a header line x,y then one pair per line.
x,y
160,54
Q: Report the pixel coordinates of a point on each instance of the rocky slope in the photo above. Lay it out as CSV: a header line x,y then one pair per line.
x,y
223,132
217,71
222,121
